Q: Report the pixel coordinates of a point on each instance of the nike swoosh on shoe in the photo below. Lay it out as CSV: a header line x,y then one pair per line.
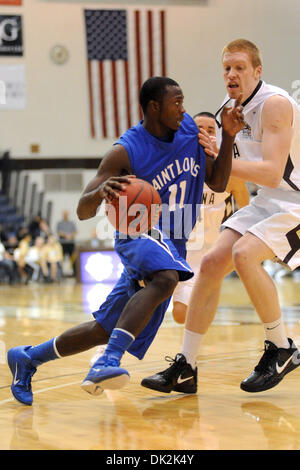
x,y
180,380
15,382
281,368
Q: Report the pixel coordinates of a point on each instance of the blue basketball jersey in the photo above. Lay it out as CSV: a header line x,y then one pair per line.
x,y
176,170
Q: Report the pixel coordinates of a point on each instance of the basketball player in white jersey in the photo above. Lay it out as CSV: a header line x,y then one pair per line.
x,y
216,208
267,153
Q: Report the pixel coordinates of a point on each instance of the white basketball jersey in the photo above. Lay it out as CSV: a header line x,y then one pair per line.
x,y
248,142
215,209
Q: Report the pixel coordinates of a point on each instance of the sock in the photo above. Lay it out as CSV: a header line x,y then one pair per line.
x,y
118,343
275,332
191,345
44,352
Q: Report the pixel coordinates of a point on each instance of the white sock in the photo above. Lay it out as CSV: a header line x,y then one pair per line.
x,y
191,345
275,332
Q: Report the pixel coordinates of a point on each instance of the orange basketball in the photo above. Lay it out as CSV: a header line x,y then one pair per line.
x,y
136,210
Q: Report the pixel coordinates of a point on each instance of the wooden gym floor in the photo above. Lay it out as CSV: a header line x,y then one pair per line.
x,y
219,417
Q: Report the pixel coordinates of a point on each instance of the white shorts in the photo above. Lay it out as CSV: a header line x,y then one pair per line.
x,y
183,290
274,217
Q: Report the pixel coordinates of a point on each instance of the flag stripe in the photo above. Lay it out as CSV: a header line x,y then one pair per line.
x,y
163,41
150,43
144,45
127,88
156,44
102,99
92,124
122,100
132,71
138,49
109,99
138,55
115,97
96,98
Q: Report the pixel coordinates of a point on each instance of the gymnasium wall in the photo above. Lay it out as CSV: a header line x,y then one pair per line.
x,y
56,116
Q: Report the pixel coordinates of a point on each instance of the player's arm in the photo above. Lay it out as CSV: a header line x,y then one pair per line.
x,y
238,188
218,170
277,118
107,182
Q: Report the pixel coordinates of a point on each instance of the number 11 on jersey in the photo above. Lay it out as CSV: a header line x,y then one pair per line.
x,y
173,190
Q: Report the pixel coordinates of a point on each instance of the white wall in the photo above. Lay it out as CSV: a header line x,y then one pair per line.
x,y
57,114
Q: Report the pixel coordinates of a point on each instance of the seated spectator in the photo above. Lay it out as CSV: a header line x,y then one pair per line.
x,y
8,265
51,258
20,254
44,229
12,243
21,232
34,259
34,226
39,227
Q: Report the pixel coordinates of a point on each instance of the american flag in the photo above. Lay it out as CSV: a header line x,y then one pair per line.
x,y
124,48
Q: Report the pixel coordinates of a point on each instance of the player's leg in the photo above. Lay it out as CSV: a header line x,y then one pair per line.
x,y
202,239
281,354
183,290
80,338
179,312
139,309
100,350
24,360
180,299
216,264
106,372
248,255
158,263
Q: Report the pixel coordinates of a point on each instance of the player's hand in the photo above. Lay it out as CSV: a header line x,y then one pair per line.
x,y
111,188
232,119
208,142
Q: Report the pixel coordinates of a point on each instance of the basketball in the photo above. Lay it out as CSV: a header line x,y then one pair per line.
x,y
136,210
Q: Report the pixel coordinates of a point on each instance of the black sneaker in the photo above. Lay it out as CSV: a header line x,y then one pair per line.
x,y
179,377
273,366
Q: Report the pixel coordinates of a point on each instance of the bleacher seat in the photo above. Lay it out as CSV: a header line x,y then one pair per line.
x,y
8,214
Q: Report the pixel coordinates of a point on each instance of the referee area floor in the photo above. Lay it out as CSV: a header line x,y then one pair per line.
x,y
219,417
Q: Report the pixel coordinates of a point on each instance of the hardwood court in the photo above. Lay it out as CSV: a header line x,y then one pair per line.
x,y
220,416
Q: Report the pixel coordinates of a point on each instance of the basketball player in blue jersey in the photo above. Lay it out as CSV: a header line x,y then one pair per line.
x,y
164,150
267,152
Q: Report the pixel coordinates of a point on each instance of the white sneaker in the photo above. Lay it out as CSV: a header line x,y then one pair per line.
x,y
99,352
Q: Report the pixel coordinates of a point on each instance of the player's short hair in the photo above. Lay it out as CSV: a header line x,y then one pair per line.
x,y
205,114
245,46
154,89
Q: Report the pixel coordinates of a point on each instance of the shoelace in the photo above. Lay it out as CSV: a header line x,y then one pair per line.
x,y
175,365
112,362
266,360
106,361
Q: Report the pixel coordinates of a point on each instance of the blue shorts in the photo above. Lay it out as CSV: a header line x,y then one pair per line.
x,y
141,257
